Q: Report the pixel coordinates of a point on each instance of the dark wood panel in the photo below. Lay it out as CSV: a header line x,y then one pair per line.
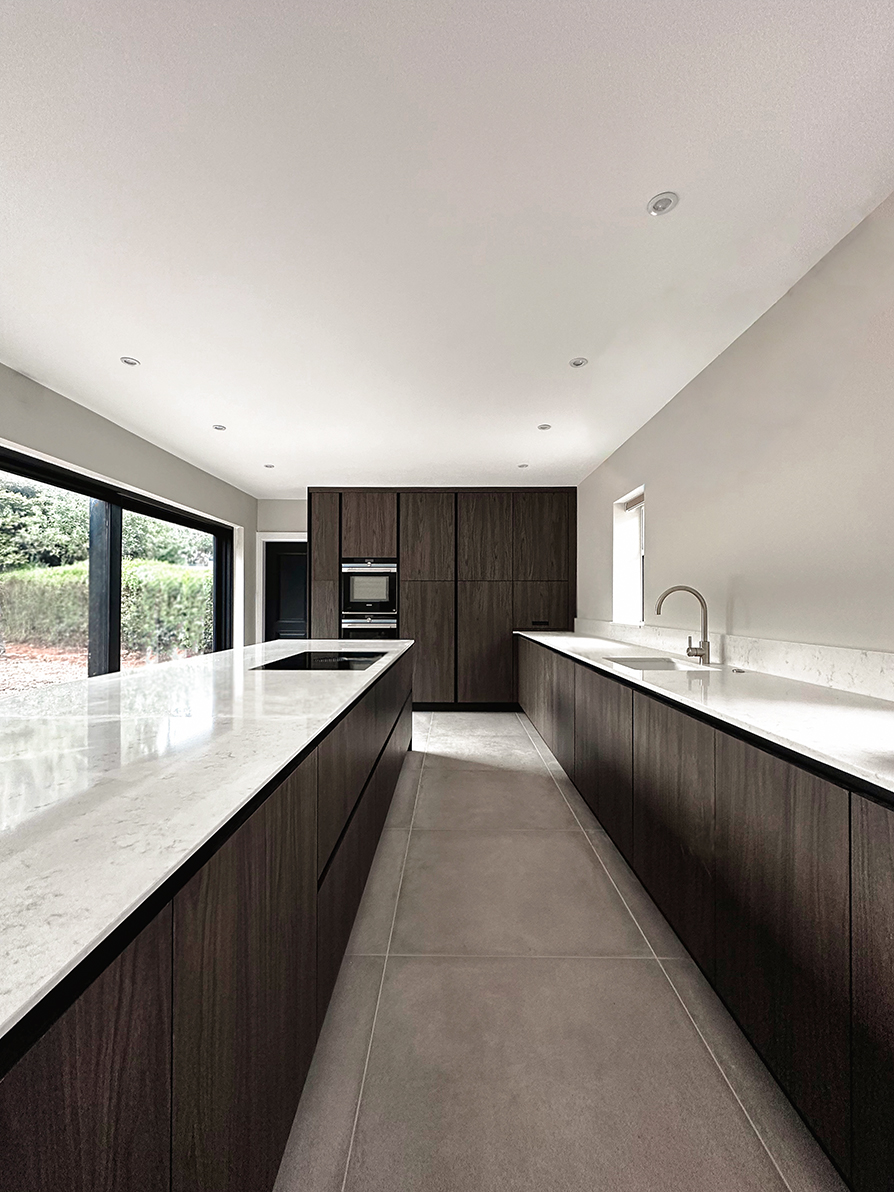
x,y
427,535
603,753
540,535
245,995
783,960
484,535
673,820
537,686
346,758
369,525
427,615
88,1108
484,642
324,610
872,834
541,605
563,714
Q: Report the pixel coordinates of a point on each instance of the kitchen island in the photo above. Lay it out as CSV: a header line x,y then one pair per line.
x,y
182,851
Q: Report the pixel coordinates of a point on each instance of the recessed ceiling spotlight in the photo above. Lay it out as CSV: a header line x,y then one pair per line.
x,y
218,426
661,204
269,465
545,426
522,465
578,362
131,360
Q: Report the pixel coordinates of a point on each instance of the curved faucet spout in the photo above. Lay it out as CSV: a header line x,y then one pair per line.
x,y
703,651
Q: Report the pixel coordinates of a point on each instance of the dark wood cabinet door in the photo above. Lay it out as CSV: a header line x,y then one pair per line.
x,y
245,995
673,820
783,955
541,530
563,714
603,753
324,564
427,535
484,536
537,683
872,879
541,605
346,757
88,1108
484,642
368,525
427,615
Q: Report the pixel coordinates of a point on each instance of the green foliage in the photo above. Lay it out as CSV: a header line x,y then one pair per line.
x,y
45,606
150,538
40,524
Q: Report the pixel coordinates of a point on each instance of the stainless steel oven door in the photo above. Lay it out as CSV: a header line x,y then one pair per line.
x,y
369,587
369,628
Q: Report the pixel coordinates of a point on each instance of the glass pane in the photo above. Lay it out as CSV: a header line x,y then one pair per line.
x,y
44,583
167,608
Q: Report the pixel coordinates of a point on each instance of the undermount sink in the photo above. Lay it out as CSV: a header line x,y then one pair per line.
x,y
658,664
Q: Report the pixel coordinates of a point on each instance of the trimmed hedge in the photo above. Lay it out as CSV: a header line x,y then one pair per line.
x,y
166,608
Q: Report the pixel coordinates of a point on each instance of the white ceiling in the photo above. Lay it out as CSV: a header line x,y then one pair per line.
x,y
368,235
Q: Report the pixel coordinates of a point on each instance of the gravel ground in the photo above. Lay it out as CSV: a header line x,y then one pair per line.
x,y
23,667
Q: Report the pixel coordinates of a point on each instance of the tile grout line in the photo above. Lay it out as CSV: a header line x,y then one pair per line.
x,y
372,1030
660,964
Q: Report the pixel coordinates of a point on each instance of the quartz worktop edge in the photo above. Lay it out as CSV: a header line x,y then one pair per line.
x,y
850,734
130,776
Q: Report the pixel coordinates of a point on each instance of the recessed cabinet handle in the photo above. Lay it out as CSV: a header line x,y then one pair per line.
x,y
539,624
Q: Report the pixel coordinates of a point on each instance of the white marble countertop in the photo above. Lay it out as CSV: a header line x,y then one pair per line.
x,y
851,733
108,785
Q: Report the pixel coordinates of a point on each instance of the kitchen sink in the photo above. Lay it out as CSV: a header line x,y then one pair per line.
x,y
320,660
650,663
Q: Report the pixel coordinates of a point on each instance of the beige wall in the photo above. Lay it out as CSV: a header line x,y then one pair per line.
x,y
282,517
770,478
36,419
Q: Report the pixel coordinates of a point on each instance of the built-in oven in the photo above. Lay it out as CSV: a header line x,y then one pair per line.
x,y
369,586
368,626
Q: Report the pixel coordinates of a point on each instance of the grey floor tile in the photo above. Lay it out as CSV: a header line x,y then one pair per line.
x,y
510,893
483,753
400,813
802,1162
317,1150
491,1075
490,799
476,724
655,927
372,926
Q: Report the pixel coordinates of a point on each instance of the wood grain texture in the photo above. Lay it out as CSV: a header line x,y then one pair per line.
x,y
562,711
484,535
484,642
325,617
427,536
540,535
537,687
673,820
872,878
782,905
88,1108
603,753
540,604
324,564
245,995
427,615
368,524
346,757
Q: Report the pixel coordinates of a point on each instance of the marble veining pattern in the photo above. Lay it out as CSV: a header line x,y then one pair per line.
x,y
853,733
108,785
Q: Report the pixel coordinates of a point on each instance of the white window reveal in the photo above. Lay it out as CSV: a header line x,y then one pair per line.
x,y
628,558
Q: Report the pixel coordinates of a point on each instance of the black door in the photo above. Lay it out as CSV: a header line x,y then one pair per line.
x,y
285,588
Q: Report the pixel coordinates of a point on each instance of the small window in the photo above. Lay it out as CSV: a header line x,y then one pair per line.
x,y
628,558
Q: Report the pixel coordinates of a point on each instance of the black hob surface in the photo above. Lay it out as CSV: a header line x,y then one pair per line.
x,y
319,660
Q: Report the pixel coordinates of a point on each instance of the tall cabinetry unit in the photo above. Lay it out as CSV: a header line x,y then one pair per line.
x,y
473,565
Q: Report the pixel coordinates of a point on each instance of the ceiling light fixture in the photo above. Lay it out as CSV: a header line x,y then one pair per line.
x,y
522,465
661,204
545,426
218,426
578,362
131,360
269,465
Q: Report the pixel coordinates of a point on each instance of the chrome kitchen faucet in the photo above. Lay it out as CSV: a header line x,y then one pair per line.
x,y
703,650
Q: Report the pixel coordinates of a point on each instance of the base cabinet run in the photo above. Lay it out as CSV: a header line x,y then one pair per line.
x,y
180,1068
779,882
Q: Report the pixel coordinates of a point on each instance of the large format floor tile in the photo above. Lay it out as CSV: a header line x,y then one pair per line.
x,y
490,799
510,893
372,927
490,1074
484,753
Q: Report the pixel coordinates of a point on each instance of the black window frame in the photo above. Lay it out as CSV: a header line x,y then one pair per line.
x,y
110,501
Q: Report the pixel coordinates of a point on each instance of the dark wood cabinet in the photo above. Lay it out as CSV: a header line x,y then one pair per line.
x,y
245,995
427,614
88,1108
539,691
563,714
541,534
368,524
484,535
782,907
603,753
872,917
325,564
427,536
541,605
346,757
673,820
484,642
